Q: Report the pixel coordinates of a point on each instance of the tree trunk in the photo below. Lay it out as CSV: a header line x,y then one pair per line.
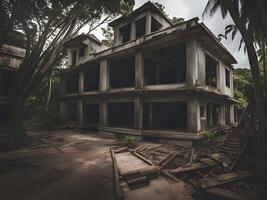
x,y
254,66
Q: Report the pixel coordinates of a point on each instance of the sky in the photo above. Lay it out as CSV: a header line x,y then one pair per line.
x,y
188,9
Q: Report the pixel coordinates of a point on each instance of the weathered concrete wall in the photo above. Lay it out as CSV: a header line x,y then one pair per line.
x,y
193,116
104,76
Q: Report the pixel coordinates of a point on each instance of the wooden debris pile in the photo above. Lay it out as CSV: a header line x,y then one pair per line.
x,y
206,173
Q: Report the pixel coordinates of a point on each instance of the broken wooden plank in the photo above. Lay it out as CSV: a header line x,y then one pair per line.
x,y
141,157
116,174
170,176
208,161
221,179
120,150
169,159
223,193
137,182
187,168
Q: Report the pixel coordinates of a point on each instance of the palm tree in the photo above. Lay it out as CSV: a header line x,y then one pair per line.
x,y
245,14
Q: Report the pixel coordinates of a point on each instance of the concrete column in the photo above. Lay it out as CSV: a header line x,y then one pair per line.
x,y
62,86
103,114
81,82
104,76
132,34
232,114
221,77
232,83
138,113
80,113
150,117
191,61
148,23
139,70
222,115
193,116
62,111
201,66
116,36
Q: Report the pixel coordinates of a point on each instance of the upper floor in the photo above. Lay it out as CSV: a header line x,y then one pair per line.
x,y
11,56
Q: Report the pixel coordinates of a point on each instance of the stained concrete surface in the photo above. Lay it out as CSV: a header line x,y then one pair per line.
x,y
83,170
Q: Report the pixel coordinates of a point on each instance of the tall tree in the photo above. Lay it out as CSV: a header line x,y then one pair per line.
x,y
243,14
47,26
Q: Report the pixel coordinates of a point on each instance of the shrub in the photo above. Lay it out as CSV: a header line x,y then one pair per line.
x,y
211,135
130,141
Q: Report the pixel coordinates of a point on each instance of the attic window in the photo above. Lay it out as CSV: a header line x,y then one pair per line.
x,y
140,27
125,33
155,25
81,52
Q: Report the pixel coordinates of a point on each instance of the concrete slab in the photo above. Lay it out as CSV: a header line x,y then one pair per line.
x,y
127,162
160,189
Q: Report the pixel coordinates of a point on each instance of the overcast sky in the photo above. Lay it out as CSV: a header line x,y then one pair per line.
x,y
193,8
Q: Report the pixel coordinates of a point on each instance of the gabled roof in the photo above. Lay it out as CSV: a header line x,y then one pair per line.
x,y
148,6
80,38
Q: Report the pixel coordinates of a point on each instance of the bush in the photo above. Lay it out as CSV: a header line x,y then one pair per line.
x,y
130,141
211,135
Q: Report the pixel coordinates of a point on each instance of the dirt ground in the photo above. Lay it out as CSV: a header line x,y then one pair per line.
x,y
78,167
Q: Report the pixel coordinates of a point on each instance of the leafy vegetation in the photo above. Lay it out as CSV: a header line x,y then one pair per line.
x,y
130,141
211,135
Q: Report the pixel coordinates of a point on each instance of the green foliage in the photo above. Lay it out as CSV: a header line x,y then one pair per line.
x,y
242,84
211,135
108,34
130,141
174,20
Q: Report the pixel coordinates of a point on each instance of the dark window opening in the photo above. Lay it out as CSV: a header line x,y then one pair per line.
x,y
165,115
81,51
72,83
125,33
227,78
72,111
202,111
91,78
213,115
3,112
121,114
6,81
166,65
122,73
91,114
155,25
140,27
211,71
73,57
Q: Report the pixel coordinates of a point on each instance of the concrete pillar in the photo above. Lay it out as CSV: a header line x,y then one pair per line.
x,y
62,111
150,116
191,61
232,114
221,77
81,82
139,70
103,114
201,66
104,76
133,32
62,86
138,113
116,37
148,23
232,83
80,113
222,115
193,116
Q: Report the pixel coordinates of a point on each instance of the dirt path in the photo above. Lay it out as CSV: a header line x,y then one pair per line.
x,y
83,170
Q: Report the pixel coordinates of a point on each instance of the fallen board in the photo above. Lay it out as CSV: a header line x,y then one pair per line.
x,y
221,179
223,193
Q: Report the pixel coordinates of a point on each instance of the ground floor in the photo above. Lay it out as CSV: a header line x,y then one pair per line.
x,y
79,168
169,116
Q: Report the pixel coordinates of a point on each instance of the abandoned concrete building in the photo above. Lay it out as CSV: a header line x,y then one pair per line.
x,y
10,59
158,80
